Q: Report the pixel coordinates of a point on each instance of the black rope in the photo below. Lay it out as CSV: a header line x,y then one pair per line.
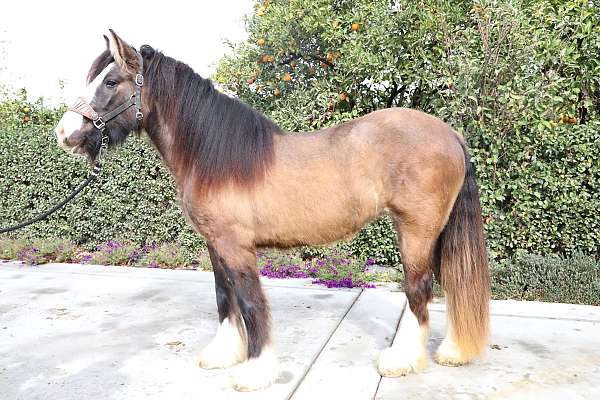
x,y
91,177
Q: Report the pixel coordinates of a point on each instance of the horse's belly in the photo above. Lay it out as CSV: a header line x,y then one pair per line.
x,y
316,220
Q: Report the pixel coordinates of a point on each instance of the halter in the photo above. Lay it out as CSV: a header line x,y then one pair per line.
x,y
84,108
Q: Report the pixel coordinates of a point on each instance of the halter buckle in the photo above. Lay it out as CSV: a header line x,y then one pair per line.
x,y
139,79
99,123
139,115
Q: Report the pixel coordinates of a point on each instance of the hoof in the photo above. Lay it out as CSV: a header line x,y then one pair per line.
x,y
393,363
256,373
212,358
225,350
449,355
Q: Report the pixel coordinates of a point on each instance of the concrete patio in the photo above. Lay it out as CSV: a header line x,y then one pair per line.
x,y
93,332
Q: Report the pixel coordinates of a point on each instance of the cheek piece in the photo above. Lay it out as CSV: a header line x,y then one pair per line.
x,y
84,108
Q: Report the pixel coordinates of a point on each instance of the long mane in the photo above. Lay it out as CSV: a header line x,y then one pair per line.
x,y
216,139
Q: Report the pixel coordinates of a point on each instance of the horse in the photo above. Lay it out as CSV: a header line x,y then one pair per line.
x,y
244,184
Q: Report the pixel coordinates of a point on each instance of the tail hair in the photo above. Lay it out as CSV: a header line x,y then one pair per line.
x,y
463,268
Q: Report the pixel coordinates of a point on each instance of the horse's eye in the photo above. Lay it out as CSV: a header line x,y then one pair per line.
x,y
110,84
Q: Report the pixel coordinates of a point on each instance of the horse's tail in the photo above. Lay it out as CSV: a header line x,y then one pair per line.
x,y
463,266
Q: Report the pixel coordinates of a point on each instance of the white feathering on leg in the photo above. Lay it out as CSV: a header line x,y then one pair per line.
x,y
449,353
256,373
408,352
226,349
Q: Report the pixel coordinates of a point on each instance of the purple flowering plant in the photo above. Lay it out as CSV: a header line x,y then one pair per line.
x,y
166,255
38,251
331,269
114,252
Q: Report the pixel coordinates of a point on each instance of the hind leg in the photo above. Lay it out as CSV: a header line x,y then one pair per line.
x,y
449,353
408,353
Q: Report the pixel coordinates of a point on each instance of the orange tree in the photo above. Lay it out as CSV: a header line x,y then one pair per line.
x,y
520,79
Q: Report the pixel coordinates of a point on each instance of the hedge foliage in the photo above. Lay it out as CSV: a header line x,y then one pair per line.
x,y
519,79
134,198
575,279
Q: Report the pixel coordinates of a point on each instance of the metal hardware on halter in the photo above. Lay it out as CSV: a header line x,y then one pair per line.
x,y
99,123
104,140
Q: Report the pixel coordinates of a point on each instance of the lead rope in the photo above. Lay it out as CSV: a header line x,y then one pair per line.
x,y
93,175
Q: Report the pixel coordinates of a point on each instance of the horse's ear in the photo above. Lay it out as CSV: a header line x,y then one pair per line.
x,y
124,54
107,42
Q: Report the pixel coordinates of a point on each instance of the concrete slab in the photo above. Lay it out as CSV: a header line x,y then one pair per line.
x,y
530,357
69,332
346,369
95,332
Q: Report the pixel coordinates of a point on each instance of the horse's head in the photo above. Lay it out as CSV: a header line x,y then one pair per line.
x,y
111,83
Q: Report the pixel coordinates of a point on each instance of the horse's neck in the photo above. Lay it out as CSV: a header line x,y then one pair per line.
x,y
161,136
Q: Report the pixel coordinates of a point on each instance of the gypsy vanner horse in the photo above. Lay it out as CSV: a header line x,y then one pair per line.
x,y
243,184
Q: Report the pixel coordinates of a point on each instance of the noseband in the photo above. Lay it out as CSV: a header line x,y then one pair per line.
x,y
84,108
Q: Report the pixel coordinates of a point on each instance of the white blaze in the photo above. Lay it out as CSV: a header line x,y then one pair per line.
x,y
71,121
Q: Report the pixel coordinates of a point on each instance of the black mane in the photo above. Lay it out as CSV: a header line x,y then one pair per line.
x,y
217,138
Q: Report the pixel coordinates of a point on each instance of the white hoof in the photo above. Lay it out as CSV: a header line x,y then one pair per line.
x,y
256,373
393,362
226,349
449,354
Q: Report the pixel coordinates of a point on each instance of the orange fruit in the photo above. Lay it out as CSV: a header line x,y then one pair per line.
x,y
355,26
261,11
287,77
277,92
260,42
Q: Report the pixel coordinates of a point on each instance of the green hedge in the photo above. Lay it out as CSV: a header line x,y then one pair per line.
x,y
526,276
134,198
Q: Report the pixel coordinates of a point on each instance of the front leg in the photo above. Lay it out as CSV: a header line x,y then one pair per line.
x,y
248,306
228,347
